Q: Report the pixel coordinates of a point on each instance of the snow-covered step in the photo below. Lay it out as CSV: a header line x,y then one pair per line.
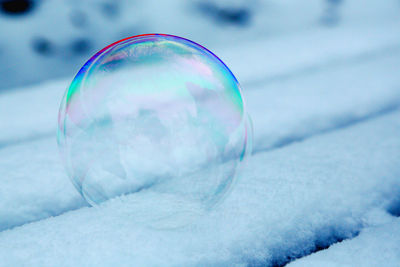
x,y
34,184
290,110
375,246
259,61
30,113
288,202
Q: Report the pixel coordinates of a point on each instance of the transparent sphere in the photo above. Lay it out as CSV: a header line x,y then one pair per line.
x,y
156,118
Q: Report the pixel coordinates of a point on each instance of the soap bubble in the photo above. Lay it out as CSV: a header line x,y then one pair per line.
x,y
157,119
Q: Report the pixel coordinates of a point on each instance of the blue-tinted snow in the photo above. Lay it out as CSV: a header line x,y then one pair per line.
x,y
288,202
257,64
281,114
375,246
324,94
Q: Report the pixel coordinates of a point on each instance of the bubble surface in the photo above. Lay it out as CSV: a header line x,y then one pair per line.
x,y
156,118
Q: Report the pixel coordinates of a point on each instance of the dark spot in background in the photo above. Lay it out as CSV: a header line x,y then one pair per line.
x,y
42,46
78,18
331,16
81,46
394,207
110,10
237,16
335,2
16,7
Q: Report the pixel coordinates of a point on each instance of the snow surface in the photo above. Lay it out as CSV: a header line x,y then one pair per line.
x,y
325,102
375,246
281,114
288,202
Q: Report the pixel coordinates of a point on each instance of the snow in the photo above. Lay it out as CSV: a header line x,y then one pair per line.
x,y
280,112
30,113
182,18
288,202
375,246
285,62
306,51
325,104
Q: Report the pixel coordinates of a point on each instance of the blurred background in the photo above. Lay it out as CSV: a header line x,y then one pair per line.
x,y
48,39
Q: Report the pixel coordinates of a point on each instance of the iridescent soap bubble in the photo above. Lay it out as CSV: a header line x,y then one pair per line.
x,y
157,119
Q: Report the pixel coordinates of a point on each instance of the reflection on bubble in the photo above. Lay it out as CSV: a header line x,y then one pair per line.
x,y
158,119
